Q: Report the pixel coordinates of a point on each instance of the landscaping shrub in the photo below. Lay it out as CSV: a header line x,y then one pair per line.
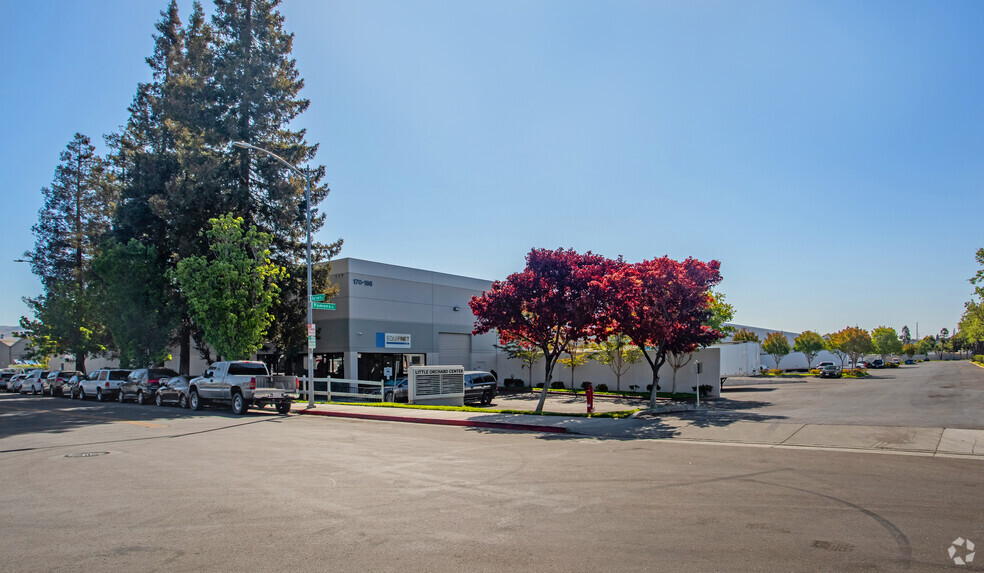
x,y
584,386
538,385
706,389
856,372
891,365
979,358
513,383
603,387
649,388
772,372
557,385
814,371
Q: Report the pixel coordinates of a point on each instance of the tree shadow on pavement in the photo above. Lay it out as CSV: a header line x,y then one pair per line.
x,y
722,412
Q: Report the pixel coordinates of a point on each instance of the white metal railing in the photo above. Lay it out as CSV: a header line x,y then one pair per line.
x,y
349,390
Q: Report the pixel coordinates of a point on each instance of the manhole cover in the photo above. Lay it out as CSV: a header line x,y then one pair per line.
x,y
86,454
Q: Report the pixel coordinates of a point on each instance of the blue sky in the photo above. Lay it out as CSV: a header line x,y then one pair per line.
x,y
829,154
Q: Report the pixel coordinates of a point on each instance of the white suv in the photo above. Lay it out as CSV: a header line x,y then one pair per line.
x,y
104,384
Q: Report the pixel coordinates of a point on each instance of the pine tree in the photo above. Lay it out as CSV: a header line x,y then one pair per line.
x,y
72,221
258,90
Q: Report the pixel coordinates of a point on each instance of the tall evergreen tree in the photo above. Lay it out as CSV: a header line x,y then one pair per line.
x,y
257,91
72,221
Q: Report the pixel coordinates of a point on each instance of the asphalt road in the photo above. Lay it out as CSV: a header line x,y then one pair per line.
x,y
928,394
183,491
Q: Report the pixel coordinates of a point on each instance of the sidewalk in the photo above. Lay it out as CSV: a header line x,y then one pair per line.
x,y
943,442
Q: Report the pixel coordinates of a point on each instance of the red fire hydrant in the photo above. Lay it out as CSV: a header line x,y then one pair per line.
x,y
590,394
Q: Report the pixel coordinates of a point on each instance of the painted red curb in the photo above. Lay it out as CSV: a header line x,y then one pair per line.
x,y
438,421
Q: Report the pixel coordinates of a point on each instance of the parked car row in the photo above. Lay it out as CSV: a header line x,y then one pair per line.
x,y
241,384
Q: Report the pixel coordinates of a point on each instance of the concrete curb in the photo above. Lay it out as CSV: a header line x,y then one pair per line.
x,y
439,421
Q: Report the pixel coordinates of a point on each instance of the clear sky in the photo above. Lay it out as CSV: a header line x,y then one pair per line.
x,y
830,154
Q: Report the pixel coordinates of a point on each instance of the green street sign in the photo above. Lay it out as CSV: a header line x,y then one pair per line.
x,y
323,305
317,297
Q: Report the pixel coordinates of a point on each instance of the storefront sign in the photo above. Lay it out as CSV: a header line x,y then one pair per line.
x,y
390,340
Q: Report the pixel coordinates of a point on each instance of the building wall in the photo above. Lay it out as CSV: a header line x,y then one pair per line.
x,y
379,298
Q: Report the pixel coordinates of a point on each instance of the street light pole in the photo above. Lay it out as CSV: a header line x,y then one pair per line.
x,y
310,311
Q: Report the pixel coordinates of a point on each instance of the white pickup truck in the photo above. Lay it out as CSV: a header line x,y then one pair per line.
x,y
242,384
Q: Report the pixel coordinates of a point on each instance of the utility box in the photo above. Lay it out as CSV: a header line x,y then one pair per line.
x,y
436,385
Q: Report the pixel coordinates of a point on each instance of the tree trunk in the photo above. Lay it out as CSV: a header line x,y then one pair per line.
x,y
80,362
184,351
548,368
652,395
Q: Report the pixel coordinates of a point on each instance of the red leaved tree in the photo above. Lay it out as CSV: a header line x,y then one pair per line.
x,y
662,305
556,300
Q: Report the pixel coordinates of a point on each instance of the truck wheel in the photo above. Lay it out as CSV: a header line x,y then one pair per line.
x,y
99,394
389,397
183,401
239,406
283,408
194,402
486,397
120,397
140,398
81,393
158,400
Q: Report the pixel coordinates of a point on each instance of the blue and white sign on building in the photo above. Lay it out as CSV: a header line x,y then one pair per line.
x,y
390,340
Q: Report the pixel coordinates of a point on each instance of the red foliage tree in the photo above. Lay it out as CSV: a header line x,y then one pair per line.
x,y
557,299
662,305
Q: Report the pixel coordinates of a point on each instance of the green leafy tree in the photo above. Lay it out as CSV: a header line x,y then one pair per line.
x,y
810,344
40,346
525,352
855,342
886,342
926,345
833,343
777,345
745,335
578,354
618,353
940,346
231,291
136,308
972,326
909,350
721,314
72,220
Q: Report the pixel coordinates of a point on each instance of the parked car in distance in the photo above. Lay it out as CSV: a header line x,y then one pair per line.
x,y
71,388
480,387
396,390
822,364
54,383
173,390
104,383
830,371
895,361
33,384
5,378
14,385
142,384
877,363
861,364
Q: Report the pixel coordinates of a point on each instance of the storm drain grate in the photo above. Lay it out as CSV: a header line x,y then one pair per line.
x,y
86,454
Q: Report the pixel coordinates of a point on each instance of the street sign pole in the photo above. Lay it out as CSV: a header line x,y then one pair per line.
x,y
310,311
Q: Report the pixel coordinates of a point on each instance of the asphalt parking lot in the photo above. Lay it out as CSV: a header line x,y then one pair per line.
x,y
928,394
121,487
